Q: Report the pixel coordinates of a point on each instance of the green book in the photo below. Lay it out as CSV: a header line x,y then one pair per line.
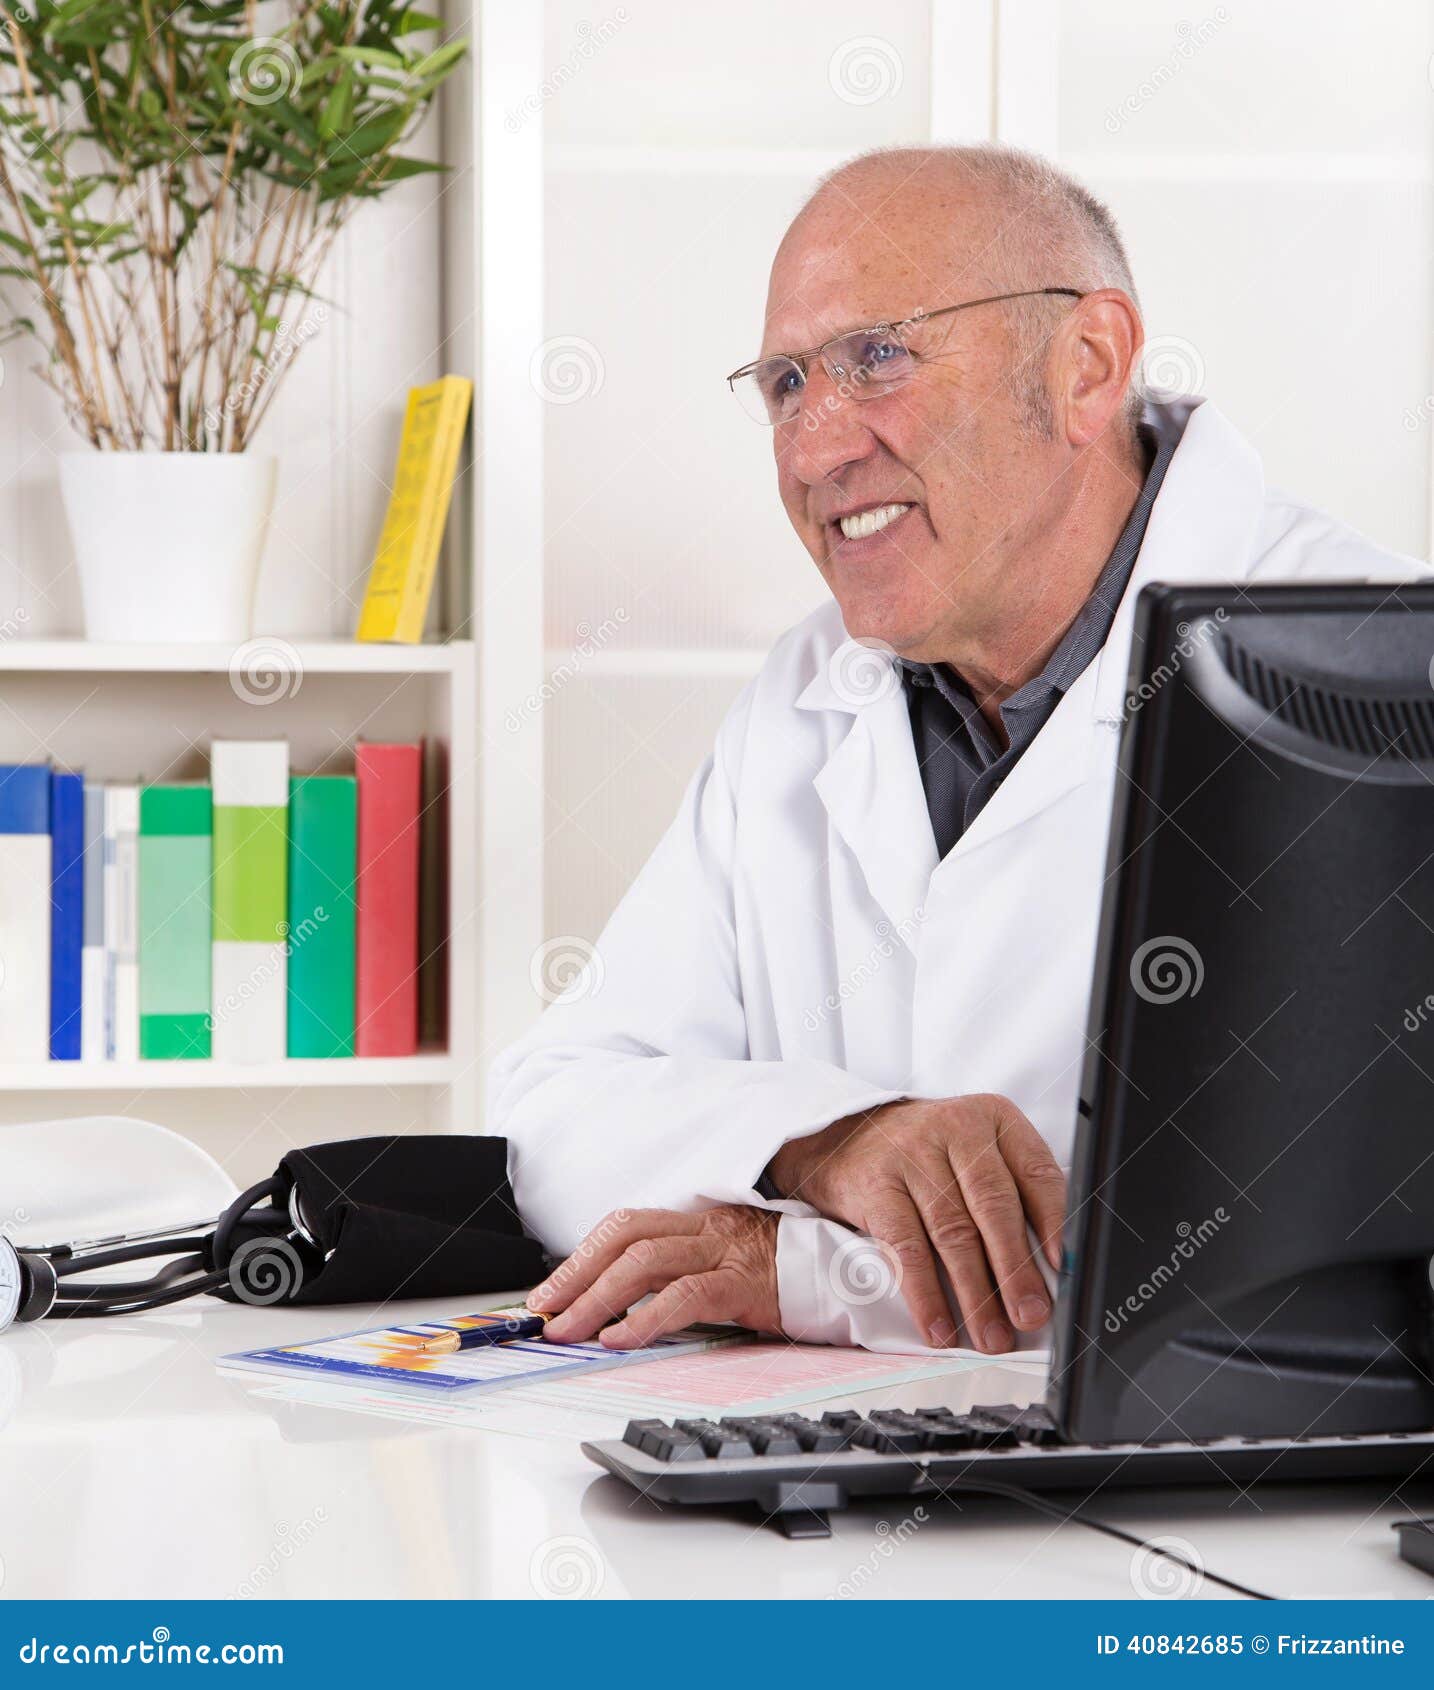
x,y
323,862
175,866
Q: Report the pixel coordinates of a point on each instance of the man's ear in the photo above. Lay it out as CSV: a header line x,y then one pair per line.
x,y
1097,349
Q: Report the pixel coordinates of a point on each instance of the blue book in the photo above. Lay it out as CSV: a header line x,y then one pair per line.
x,y
25,893
67,913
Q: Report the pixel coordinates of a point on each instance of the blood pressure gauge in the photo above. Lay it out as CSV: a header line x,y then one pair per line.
x,y
27,1285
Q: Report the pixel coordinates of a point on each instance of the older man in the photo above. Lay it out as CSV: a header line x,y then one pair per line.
x,y
846,999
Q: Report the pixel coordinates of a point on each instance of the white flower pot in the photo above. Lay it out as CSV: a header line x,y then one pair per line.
x,y
168,543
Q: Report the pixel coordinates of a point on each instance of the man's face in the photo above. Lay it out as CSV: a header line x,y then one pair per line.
x,y
952,445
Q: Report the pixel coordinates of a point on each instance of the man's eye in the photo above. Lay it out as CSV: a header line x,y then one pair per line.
x,y
882,355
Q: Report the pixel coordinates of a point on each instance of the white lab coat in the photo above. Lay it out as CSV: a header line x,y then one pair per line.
x,y
793,951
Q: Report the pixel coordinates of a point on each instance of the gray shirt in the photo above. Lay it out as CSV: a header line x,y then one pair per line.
x,y
961,761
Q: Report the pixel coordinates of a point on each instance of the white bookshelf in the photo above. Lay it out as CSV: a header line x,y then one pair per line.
x,y
340,1073
148,711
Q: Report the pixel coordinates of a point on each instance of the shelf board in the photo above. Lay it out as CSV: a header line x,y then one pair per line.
x,y
257,657
429,1070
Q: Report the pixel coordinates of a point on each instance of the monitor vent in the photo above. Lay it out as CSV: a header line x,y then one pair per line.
x,y
1376,726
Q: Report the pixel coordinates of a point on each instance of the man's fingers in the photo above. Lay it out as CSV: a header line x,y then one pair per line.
x,y
694,1297
1039,1178
956,1238
995,1206
647,1264
600,1249
893,1220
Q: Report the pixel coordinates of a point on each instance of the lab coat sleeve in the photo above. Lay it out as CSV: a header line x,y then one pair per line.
x,y
636,1088
839,1287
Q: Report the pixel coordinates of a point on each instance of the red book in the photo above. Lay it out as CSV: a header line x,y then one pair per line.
x,y
389,806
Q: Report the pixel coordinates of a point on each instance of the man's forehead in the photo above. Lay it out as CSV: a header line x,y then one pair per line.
x,y
856,258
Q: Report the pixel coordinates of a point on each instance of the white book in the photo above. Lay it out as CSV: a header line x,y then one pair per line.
x,y
121,923
250,1009
25,917
92,954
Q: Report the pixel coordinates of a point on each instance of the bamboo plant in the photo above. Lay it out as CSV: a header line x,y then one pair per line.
x,y
172,176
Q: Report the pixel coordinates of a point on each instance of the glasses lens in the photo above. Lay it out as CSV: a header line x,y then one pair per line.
x,y
771,392
868,362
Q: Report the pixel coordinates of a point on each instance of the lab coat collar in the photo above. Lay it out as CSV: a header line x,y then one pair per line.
x,y
1203,528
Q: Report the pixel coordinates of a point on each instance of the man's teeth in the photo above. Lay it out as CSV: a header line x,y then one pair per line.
x,y
858,527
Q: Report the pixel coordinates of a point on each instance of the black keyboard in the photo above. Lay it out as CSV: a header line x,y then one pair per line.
x,y
795,1468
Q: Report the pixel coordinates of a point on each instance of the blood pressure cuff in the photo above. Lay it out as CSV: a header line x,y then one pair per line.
x,y
392,1217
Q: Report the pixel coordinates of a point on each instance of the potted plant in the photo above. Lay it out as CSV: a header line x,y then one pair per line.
x,y
172,176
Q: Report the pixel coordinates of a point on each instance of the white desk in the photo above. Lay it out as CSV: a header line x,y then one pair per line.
x,y
130,1467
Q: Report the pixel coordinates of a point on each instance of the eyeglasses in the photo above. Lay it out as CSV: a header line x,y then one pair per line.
x,y
863,363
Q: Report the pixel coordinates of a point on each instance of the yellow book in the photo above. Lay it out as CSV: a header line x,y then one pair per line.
x,y
401,580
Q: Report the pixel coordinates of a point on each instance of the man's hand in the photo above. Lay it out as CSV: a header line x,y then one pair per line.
x,y
718,1265
956,1178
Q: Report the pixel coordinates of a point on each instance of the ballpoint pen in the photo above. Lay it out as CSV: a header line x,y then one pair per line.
x,y
499,1329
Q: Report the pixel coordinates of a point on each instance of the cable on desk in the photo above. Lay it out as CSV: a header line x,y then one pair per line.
x,y
1074,1516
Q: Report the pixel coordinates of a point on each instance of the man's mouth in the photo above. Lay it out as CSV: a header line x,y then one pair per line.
x,y
861,525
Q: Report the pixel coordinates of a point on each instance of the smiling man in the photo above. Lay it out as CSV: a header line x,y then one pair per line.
x,y
825,1080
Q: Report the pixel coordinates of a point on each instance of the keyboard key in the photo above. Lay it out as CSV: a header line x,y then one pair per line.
x,y
673,1446
637,1430
766,1433
723,1444
843,1420
814,1439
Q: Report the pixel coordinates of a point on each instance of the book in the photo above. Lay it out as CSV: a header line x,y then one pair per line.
x,y
389,784
400,582
24,912
175,922
93,1015
67,913
323,862
249,990
121,899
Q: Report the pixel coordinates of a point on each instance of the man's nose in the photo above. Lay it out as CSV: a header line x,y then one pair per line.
x,y
829,432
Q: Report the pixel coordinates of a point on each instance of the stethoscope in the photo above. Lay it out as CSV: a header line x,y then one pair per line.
x,y
39,1281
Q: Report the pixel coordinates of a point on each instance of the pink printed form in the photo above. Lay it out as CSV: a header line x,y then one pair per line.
x,y
747,1374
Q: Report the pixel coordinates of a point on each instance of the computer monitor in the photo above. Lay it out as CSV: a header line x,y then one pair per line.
x,y
1251,1223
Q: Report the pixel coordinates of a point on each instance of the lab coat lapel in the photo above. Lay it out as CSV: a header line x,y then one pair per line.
x,y
1203,527
871,788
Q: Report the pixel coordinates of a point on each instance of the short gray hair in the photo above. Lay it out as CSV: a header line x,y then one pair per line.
x,y
1054,233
